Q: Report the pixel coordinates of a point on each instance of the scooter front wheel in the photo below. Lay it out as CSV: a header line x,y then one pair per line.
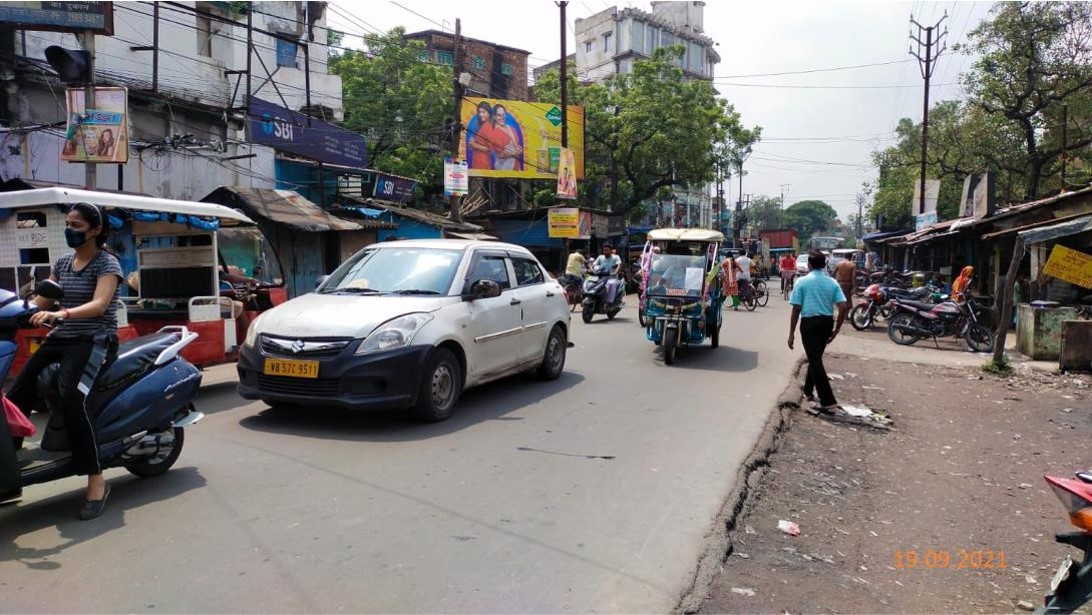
x,y
147,468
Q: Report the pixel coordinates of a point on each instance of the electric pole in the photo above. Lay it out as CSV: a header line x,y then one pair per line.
x,y
564,78
781,209
927,64
87,42
456,122
1065,140
860,213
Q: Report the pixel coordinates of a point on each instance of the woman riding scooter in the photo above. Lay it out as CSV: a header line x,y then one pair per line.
x,y
83,341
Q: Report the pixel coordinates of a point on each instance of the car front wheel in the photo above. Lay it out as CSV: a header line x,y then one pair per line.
x,y
441,384
553,360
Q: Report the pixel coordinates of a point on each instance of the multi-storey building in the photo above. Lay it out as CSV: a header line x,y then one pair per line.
x,y
497,71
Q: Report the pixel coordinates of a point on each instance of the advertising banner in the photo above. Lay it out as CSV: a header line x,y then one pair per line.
x,y
566,177
100,134
564,223
456,179
392,188
518,140
1070,265
296,133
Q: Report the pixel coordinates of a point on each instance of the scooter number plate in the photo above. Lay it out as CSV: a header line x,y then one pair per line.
x,y
1061,575
291,369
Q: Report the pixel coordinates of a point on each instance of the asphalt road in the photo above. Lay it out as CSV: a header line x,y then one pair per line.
x,y
590,494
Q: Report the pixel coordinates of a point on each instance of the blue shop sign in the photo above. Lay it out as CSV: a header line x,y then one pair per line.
x,y
392,188
289,131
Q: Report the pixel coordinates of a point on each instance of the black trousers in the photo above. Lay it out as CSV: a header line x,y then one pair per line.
x,y
814,332
81,360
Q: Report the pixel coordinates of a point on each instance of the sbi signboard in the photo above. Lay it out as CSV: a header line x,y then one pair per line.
x,y
296,133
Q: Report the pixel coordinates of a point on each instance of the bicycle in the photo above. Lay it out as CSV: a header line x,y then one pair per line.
x,y
748,295
762,293
788,284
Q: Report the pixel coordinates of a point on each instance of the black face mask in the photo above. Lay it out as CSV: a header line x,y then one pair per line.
x,y
75,238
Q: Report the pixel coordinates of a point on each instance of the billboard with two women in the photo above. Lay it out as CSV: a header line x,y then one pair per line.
x,y
519,140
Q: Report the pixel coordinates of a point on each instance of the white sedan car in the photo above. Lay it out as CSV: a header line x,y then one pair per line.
x,y
409,324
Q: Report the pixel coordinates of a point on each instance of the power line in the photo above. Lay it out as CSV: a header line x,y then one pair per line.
x,y
816,70
823,87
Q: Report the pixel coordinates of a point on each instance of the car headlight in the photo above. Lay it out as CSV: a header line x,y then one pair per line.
x,y
395,333
252,333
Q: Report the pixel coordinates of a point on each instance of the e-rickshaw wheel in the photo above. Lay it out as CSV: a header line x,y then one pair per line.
x,y
714,336
671,342
641,318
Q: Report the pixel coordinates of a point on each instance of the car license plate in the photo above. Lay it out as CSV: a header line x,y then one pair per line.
x,y
1061,575
291,369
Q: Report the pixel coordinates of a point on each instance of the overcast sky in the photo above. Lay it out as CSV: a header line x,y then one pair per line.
x,y
818,139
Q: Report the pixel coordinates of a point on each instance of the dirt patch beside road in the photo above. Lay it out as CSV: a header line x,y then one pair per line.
x,y
956,485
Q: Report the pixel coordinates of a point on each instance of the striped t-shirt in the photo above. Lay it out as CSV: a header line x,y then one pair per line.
x,y
79,288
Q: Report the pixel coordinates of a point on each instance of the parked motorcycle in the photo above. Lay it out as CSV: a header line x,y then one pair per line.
x,y
875,306
1071,586
140,404
915,320
595,300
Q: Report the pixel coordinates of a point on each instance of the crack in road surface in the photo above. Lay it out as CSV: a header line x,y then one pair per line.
x,y
535,450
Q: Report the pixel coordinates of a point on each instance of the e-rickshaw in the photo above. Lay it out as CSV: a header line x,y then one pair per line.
x,y
681,294
174,254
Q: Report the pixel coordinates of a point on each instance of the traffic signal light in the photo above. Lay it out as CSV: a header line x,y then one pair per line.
x,y
73,66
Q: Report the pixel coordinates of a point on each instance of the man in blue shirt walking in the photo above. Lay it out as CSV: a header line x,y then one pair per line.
x,y
813,301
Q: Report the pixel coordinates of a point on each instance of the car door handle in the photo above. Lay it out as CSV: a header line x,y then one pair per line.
x,y
549,293
515,301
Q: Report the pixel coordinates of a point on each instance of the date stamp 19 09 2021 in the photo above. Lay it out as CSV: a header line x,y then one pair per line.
x,y
950,559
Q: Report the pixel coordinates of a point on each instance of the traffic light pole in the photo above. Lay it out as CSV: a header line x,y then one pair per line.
x,y
87,42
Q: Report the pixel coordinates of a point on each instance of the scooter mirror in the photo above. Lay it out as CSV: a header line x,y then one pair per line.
x,y
50,290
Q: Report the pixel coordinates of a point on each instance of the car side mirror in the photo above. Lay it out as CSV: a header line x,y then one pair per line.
x,y
50,290
483,289
319,281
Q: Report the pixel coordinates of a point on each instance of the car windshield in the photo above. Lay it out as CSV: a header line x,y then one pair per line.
x,y
674,274
401,270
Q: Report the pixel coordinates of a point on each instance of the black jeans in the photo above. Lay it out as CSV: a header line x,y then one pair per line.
x,y
814,332
80,366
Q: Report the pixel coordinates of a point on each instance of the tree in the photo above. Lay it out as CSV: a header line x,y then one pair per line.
x,y
659,130
1033,58
810,218
399,101
763,213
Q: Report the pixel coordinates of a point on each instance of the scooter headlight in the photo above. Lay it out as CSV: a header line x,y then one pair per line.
x,y
395,333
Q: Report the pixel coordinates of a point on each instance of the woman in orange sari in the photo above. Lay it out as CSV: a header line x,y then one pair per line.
x,y
962,283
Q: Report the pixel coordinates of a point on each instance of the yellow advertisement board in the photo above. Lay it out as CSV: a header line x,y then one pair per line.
x,y
518,140
564,222
1070,265
566,177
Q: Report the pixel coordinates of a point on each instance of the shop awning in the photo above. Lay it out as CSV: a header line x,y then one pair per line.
x,y
41,197
472,236
283,207
1057,231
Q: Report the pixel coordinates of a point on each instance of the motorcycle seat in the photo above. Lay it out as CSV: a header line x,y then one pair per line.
x,y
135,358
921,305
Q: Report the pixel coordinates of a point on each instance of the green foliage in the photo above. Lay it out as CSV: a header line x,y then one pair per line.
x,y
1033,59
333,39
1000,368
661,131
810,218
764,212
399,101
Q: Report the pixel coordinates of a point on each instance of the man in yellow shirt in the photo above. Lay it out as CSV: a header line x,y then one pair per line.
x,y
575,266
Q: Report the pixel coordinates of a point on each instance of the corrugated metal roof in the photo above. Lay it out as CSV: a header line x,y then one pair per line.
x,y
283,207
397,209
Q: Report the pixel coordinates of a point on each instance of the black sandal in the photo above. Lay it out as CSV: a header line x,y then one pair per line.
x,y
94,508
